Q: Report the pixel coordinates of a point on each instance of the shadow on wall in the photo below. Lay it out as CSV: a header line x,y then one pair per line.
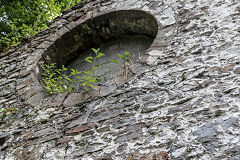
x,y
115,33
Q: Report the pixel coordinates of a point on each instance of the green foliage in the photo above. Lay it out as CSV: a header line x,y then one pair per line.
x,y
5,111
21,19
126,57
114,61
57,82
90,79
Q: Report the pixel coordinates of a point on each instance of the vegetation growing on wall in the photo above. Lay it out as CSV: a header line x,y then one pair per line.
x,y
4,111
21,19
56,81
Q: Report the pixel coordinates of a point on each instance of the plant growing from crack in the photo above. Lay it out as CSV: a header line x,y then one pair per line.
x,y
56,81
126,57
4,111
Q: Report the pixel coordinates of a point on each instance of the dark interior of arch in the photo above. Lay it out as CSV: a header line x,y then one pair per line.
x,y
116,32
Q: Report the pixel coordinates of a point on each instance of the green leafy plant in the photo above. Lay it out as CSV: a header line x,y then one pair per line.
x,y
21,19
5,111
91,78
126,57
56,81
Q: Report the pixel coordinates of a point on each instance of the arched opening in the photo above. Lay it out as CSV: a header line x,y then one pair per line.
x,y
115,33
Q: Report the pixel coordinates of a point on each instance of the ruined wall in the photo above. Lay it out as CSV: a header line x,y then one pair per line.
x,y
182,98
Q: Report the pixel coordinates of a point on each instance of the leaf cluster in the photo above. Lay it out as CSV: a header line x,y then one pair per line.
x,y
21,19
56,81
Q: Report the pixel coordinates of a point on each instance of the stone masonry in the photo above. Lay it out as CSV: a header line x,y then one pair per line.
x,y
180,101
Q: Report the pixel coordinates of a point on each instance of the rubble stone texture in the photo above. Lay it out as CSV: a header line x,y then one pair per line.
x,y
180,101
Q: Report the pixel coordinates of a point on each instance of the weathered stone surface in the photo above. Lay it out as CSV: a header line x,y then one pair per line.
x,y
181,100
3,137
78,129
150,156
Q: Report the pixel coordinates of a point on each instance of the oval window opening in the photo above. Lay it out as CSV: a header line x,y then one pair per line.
x,y
114,33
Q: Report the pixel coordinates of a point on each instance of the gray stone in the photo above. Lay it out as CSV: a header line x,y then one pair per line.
x,y
179,95
44,132
128,136
3,137
36,98
104,115
237,70
206,132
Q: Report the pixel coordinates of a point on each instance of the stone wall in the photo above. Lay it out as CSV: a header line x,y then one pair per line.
x,y
180,101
